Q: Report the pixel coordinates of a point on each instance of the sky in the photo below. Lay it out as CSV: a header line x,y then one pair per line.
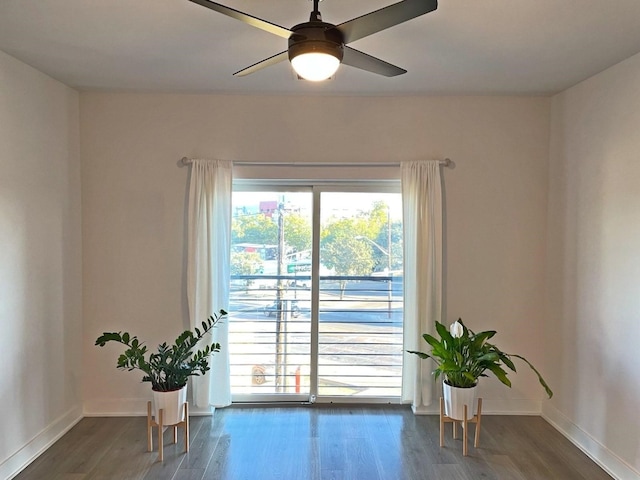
x,y
332,203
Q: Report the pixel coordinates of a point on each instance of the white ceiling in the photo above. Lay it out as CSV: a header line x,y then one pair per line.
x,y
464,47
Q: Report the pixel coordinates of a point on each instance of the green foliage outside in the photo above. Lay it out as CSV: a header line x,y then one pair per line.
x,y
344,245
342,251
258,229
377,220
245,263
297,232
380,259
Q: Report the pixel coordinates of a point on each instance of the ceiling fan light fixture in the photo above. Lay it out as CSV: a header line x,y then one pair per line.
x,y
315,66
314,53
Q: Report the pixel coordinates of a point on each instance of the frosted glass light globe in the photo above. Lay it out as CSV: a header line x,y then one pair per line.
x,y
315,66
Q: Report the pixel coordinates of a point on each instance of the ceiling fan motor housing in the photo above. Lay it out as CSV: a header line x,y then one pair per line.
x,y
320,37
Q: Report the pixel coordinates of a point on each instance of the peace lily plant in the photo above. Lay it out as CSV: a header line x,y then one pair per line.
x,y
463,356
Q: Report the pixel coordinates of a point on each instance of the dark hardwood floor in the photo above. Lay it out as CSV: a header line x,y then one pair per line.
x,y
320,442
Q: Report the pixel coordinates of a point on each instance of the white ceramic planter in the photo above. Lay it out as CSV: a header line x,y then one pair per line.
x,y
456,398
172,404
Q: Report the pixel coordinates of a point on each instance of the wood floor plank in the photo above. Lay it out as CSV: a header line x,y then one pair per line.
x,y
203,443
389,453
189,474
80,450
220,465
126,453
329,442
504,468
450,472
69,476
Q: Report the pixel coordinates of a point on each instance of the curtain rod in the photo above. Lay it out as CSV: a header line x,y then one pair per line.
x,y
445,163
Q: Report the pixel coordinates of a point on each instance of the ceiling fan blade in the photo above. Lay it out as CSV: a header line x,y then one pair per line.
x,y
358,59
267,62
386,17
246,18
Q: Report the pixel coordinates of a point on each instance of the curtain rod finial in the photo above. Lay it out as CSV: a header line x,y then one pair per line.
x,y
184,161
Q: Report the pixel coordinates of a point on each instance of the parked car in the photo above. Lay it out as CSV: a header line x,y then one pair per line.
x,y
300,283
272,309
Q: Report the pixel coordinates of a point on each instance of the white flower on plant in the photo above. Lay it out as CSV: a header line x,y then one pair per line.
x,y
456,329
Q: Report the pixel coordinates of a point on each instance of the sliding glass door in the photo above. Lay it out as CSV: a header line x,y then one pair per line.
x,y
316,294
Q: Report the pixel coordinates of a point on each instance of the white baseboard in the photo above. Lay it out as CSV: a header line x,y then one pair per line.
x,y
492,406
129,407
609,461
19,460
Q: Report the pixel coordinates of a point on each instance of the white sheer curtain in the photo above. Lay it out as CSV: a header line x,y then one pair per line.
x,y
208,264
422,219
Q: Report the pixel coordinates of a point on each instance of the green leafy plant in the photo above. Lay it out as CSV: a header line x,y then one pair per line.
x,y
171,366
463,356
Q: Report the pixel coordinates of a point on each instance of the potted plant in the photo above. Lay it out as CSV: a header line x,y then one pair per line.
x,y
169,368
462,357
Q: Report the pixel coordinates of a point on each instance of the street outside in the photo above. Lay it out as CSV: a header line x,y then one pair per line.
x,y
359,343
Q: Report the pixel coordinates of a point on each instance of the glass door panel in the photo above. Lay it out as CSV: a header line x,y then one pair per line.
x,y
269,330
360,295
347,342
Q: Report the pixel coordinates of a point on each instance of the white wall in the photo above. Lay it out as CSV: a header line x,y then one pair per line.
x,y
134,196
40,269
593,327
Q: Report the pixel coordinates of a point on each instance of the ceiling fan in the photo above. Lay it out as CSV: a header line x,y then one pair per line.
x,y
317,48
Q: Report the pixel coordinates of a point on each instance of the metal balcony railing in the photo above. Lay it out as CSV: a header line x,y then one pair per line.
x,y
359,336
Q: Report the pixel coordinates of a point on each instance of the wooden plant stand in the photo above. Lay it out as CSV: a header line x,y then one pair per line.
x,y
157,422
465,426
